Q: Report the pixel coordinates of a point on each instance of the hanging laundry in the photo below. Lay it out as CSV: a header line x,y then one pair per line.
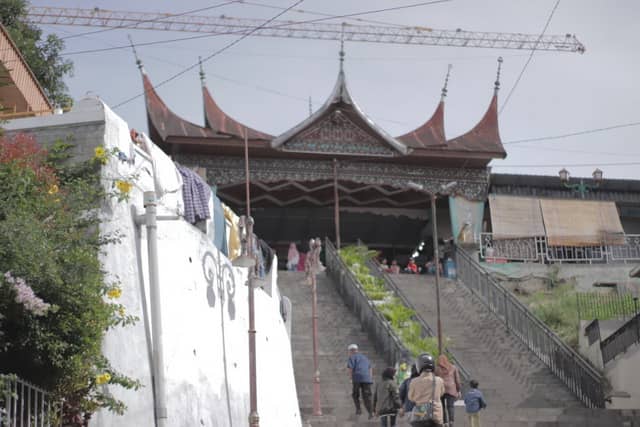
x,y
195,194
267,254
219,225
234,235
261,271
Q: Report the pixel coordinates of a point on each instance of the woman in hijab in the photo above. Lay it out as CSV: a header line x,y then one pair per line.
x,y
451,378
293,257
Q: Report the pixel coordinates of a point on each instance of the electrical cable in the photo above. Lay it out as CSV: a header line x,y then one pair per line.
x,y
279,25
513,88
567,135
152,20
561,150
311,12
217,52
562,165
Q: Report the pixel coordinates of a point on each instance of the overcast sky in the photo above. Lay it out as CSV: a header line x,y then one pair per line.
x,y
266,82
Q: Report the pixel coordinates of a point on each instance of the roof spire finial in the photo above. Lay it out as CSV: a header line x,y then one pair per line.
x,y
135,54
446,83
202,75
310,106
342,48
496,85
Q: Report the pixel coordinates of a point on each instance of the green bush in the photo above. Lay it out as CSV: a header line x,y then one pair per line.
x,y
398,315
54,300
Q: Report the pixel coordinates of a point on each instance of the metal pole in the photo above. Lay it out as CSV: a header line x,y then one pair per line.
x,y
315,252
635,307
436,255
246,173
336,198
254,418
156,311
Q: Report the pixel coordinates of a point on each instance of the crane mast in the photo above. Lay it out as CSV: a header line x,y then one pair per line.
x,y
311,29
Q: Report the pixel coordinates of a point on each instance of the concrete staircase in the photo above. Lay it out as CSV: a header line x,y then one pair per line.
x,y
520,390
337,328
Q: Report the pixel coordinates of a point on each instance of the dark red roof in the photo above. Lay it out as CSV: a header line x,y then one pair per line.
x,y
484,137
219,121
165,122
430,134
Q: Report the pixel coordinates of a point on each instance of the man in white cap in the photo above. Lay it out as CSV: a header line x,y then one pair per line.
x,y
361,375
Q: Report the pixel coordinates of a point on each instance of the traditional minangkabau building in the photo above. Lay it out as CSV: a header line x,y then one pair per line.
x,y
292,175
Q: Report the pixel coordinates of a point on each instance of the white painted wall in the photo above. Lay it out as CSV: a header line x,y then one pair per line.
x,y
205,317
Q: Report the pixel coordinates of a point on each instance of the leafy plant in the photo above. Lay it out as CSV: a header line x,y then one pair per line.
x,y
398,315
55,301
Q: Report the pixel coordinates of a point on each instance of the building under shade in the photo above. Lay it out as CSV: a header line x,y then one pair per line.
x,y
293,175
21,95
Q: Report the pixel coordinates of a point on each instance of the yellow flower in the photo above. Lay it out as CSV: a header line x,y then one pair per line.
x,y
103,378
53,189
114,293
124,186
100,154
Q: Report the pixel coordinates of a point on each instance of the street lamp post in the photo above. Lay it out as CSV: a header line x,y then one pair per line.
x,y
313,268
436,253
581,187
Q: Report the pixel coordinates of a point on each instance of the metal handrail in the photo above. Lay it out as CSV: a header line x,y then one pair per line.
x,y
618,342
592,331
374,267
23,404
577,374
379,330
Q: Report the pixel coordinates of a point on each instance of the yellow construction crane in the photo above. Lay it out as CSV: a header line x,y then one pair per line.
x,y
302,30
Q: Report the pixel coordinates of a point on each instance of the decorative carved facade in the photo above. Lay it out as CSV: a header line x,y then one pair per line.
x,y
472,184
337,134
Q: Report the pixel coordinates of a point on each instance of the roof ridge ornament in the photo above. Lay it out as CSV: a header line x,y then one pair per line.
x,y
496,85
201,73
446,83
135,54
341,54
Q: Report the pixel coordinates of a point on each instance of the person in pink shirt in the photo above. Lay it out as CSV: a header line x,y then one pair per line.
x,y
395,268
449,374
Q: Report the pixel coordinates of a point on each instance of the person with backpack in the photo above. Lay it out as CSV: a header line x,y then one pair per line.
x,y
473,403
426,392
386,401
407,405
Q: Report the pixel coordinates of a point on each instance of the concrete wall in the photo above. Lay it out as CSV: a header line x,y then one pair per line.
x,y
584,275
203,300
622,373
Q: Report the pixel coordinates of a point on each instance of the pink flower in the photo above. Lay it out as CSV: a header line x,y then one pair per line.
x,y
26,296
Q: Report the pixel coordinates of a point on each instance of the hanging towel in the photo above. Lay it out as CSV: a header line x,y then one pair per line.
x,y
195,194
219,226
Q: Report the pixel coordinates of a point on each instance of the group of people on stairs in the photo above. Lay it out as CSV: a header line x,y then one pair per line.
x,y
427,396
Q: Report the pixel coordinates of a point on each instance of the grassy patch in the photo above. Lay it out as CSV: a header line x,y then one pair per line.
x,y
558,309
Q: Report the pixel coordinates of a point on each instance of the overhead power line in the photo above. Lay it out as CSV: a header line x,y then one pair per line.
x,y
156,19
515,85
562,165
217,52
567,135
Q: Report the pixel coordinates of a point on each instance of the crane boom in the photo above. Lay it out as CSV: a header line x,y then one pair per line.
x,y
301,30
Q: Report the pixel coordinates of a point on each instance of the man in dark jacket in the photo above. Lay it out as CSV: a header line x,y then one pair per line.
x,y
361,374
